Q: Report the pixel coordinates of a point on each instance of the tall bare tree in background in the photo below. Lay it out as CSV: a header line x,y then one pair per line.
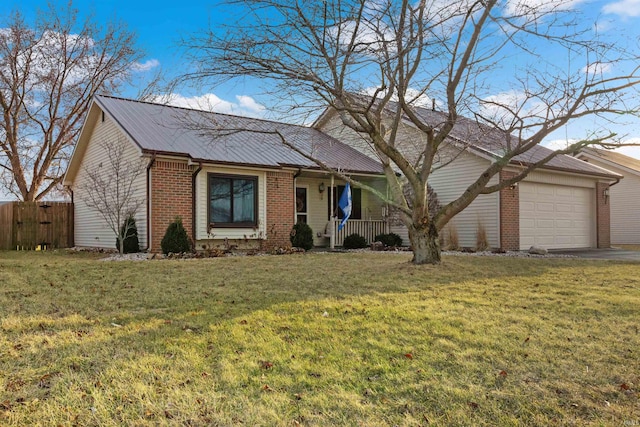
x,y
521,68
48,74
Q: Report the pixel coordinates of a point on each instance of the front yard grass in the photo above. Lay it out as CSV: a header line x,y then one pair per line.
x,y
318,339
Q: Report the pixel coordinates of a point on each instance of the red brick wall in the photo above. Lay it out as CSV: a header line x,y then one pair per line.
x,y
170,197
280,209
603,216
509,215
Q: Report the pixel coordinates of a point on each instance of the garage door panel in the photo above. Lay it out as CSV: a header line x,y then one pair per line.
x,y
564,208
544,207
555,216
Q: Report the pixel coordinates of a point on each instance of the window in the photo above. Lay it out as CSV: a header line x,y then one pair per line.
x,y
356,200
233,201
301,204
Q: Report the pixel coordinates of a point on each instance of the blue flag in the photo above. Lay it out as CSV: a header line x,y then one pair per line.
x,y
345,204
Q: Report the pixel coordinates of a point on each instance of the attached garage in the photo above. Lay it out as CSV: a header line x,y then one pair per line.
x,y
556,216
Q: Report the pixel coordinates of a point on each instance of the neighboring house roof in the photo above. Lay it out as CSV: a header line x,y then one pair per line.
x,y
222,138
612,157
493,142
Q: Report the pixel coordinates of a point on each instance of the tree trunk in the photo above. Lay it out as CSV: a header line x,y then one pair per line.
x,y
425,244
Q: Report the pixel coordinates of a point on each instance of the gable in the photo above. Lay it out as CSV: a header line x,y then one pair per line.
x,y
97,125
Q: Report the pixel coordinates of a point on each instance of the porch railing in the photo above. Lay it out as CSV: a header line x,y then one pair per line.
x,y
366,228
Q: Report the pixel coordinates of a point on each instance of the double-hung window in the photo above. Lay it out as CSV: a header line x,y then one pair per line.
x,y
233,201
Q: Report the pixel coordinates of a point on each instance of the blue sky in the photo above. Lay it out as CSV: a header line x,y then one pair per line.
x,y
160,25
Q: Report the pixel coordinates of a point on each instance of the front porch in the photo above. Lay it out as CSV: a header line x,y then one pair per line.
x,y
368,229
317,197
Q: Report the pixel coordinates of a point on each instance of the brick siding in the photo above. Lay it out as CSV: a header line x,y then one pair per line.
x,y
509,215
280,209
170,197
603,216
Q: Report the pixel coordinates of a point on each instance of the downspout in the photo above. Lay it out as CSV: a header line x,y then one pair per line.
x,y
194,175
71,192
295,209
149,166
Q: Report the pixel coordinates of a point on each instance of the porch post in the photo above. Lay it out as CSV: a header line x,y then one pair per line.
x,y
332,236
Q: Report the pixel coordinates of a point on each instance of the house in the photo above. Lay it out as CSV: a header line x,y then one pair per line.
x,y
560,205
624,196
238,185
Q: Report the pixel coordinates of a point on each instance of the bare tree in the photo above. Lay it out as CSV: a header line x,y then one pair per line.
x,y
48,75
109,188
486,60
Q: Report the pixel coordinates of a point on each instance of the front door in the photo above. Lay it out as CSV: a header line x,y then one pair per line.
x,y
301,204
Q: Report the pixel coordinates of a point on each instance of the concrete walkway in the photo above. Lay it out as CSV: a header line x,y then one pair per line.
x,y
612,254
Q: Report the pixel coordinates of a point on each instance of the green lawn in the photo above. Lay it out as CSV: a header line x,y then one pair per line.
x,y
318,339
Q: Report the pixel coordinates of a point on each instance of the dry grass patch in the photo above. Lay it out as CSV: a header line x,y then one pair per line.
x,y
320,339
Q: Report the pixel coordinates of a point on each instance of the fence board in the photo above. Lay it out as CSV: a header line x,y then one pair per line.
x,y
27,225
6,226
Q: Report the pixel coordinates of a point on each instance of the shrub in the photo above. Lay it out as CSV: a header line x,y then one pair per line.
x,y
301,236
130,233
354,241
453,242
175,239
482,242
389,239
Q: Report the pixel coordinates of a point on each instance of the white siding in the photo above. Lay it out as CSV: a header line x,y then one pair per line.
x,y
202,201
91,230
451,181
558,178
624,199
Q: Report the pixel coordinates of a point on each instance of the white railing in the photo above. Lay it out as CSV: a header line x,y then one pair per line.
x,y
366,228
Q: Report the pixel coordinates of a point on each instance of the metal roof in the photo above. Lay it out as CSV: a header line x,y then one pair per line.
x,y
486,140
495,142
614,157
221,138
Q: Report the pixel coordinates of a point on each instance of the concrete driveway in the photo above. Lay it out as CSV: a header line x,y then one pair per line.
x,y
612,254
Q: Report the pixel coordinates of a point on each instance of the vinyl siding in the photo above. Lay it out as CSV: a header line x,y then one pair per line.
x,y
91,230
202,202
548,177
624,199
451,181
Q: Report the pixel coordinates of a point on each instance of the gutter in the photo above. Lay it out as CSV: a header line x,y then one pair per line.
x,y
149,166
194,175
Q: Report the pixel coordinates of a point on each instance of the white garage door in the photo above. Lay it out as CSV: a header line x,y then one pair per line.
x,y
556,216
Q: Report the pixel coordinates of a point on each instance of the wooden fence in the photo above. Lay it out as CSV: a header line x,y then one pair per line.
x,y
29,225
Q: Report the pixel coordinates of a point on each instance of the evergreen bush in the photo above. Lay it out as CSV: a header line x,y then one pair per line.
x,y
301,236
175,239
389,239
354,241
131,242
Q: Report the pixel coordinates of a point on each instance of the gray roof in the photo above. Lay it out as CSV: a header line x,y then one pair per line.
x,y
494,142
614,157
221,138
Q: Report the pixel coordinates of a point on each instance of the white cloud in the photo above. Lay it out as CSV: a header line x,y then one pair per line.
x,y
145,66
558,144
624,8
245,105
538,7
598,68
506,108
420,100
